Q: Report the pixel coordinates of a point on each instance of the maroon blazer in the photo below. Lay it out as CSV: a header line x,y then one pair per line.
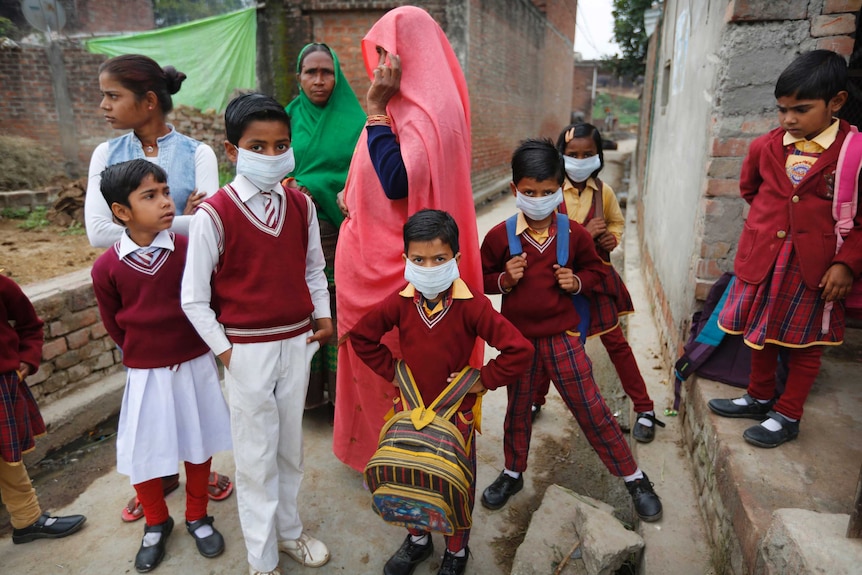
x,y
777,209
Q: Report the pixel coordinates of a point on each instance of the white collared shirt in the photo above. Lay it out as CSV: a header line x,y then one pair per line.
x,y
128,245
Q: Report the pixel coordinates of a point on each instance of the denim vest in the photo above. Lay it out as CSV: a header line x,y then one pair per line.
x,y
176,157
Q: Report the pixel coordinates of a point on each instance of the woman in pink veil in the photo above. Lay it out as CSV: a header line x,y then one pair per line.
x,y
418,105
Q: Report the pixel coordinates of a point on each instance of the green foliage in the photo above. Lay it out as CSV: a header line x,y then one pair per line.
x,y
36,219
15,213
172,12
74,229
626,109
226,173
8,29
631,37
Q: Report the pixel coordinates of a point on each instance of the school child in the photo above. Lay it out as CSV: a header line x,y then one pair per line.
x,y
172,408
537,298
592,203
787,269
438,320
20,420
255,290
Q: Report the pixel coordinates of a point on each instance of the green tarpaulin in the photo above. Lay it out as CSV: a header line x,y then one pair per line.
x,y
217,54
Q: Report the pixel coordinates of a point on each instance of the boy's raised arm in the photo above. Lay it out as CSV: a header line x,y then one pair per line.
x,y
516,351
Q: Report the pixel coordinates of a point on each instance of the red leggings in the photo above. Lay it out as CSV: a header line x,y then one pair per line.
x,y
803,367
152,497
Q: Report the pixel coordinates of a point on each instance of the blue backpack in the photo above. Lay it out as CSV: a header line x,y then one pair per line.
x,y
581,303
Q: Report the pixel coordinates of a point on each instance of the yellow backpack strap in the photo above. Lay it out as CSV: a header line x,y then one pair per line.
x,y
449,400
446,403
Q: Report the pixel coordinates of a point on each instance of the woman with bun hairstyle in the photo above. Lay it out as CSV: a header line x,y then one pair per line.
x,y
136,96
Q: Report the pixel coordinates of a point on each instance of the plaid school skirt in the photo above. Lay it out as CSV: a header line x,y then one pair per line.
x,y
609,300
20,420
781,310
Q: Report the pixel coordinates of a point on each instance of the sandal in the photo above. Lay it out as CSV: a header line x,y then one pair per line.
x,y
216,491
134,510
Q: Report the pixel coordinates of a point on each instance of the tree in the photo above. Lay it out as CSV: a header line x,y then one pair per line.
x,y
172,12
631,37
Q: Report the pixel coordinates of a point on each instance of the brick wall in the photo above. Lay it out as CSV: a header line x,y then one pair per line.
x,y
108,15
582,89
77,349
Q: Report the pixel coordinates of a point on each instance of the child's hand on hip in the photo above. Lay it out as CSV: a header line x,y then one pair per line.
x,y
836,282
225,357
566,279
514,271
477,386
322,332
596,227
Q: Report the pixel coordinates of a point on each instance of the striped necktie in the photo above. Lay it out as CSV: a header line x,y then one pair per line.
x,y
269,209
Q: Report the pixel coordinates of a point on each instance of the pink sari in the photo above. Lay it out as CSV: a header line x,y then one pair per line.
x,y
431,119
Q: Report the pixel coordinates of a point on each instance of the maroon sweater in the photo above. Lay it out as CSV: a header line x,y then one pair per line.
x,y
141,310
537,306
23,340
259,292
436,347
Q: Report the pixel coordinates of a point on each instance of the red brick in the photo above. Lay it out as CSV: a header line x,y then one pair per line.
x,y
78,338
724,167
836,6
98,331
759,126
721,188
840,44
701,289
833,25
708,268
714,250
53,348
764,10
729,147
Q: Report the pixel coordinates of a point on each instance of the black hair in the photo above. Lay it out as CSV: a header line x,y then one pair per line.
x,y
141,74
429,225
248,108
582,130
120,180
537,159
815,75
311,49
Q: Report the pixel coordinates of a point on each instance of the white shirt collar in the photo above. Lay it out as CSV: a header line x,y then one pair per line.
x,y
162,240
246,190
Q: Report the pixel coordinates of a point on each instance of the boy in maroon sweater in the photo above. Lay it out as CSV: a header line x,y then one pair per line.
x,y
438,321
20,421
537,298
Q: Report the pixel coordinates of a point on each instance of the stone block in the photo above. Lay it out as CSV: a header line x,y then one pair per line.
x,y
45,371
79,371
714,249
53,348
74,321
82,298
837,6
98,331
57,381
707,268
78,338
50,308
730,147
716,187
840,44
103,360
789,547
701,288
763,10
836,25
67,360
727,168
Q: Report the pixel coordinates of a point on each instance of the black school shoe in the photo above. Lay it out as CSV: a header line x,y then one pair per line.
x,y
47,527
647,503
762,437
498,493
752,409
148,558
453,565
645,433
408,556
535,411
211,546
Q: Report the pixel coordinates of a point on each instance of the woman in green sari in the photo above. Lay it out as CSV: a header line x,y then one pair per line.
x,y
326,120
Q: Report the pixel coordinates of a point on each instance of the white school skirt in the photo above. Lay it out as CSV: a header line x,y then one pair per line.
x,y
171,416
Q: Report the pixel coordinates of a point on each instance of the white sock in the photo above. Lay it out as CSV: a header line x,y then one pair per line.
x,y
203,531
419,539
774,424
741,401
152,538
460,553
512,474
638,474
645,421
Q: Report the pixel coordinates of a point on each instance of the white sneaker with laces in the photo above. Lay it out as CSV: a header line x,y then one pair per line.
x,y
253,571
306,550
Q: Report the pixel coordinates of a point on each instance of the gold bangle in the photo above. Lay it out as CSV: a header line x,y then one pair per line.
x,y
378,119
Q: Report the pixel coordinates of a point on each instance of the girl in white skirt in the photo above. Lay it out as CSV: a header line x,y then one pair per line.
x,y
173,408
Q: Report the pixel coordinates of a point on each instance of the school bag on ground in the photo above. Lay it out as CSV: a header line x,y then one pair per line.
x,y
421,474
581,303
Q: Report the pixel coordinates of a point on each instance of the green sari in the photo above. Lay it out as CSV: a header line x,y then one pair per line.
x,y
323,139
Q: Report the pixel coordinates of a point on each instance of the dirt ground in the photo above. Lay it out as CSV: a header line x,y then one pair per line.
x,y
29,256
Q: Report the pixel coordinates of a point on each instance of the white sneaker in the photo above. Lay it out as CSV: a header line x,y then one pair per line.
x,y
306,550
253,571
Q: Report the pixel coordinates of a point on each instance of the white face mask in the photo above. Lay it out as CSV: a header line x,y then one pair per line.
x,y
579,170
431,282
264,171
541,207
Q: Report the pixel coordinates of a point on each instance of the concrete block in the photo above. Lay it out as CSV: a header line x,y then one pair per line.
x,y
840,44
762,10
789,546
836,25
605,543
836,6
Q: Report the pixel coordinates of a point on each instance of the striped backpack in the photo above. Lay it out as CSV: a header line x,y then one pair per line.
x,y
421,473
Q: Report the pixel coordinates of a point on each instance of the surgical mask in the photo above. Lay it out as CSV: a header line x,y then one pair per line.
x,y
541,207
432,281
264,171
579,170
